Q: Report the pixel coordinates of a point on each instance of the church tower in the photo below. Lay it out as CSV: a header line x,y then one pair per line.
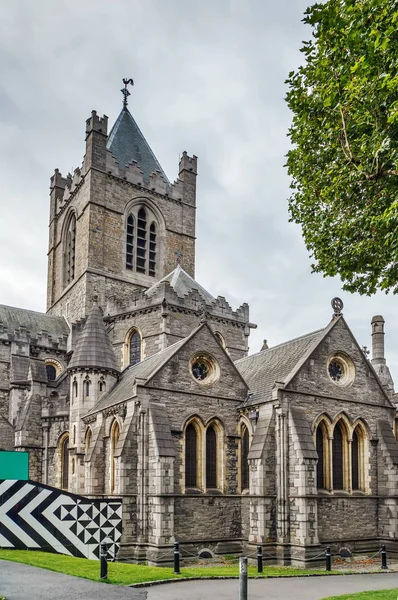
x,y
117,224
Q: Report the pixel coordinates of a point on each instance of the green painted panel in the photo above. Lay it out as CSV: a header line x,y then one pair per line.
x,y
14,465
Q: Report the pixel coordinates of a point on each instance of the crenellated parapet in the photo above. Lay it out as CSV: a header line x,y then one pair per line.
x,y
163,295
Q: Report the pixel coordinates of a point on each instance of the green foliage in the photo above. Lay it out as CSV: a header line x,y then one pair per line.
x,y
125,574
343,161
380,595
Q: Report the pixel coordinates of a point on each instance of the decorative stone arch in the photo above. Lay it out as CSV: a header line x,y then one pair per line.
x,y
154,215
63,460
56,364
114,435
360,459
341,453
323,435
88,438
213,454
193,441
245,432
69,246
127,348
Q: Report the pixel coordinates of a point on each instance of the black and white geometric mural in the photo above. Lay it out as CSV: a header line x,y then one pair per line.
x,y
34,516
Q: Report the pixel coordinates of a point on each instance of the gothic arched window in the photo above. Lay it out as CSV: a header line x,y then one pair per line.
x,y
134,348
70,251
320,469
130,242
244,463
87,441
338,455
64,452
355,461
211,458
141,241
51,372
152,250
191,457
115,433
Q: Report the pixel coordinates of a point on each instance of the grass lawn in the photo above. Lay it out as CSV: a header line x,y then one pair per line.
x,y
380,595
124,574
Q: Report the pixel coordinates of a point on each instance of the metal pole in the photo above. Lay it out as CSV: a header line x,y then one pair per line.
x,y
384,557
104,562
259,559
243,578
176,558
328,559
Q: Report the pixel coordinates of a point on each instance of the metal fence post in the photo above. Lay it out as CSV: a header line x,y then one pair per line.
x,y
328,559
384,557
259,559
104,561
176,558
243,578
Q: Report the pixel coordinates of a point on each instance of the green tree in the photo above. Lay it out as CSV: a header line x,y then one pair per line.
x,y
343,161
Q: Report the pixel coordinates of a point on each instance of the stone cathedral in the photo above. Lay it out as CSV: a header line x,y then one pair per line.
x,y
137,383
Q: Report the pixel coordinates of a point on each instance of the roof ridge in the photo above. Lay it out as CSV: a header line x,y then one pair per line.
x,y
268,350
36,312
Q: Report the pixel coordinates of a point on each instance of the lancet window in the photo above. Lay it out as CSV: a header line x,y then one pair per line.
x,y
70,251
141,242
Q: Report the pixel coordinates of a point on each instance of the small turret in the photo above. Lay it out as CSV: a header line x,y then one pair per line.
x,y
378,359
93,372
187,172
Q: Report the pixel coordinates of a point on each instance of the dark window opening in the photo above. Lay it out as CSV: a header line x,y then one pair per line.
x,y
244,458
152,250
51,372
130,242
355,461
70,253
320,469
211,458
338,480
135,348
141,241
65,463
190,457
87,388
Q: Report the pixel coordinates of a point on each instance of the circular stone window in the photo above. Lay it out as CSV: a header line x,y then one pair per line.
x,y
341,370
204,368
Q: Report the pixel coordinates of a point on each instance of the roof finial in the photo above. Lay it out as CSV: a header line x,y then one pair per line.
x,y
337,306
178,254
125,91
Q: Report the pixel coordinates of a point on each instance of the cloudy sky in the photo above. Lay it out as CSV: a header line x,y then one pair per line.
x,y
209,79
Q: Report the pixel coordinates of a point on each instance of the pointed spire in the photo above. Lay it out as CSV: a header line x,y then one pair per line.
x,y
127,143
94,349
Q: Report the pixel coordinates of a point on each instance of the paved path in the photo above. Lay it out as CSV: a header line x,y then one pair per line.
x,y
23,582
292,588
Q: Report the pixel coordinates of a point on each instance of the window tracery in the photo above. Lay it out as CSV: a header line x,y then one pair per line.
x,y
141,241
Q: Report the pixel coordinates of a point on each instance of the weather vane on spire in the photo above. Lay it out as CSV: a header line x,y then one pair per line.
x,y
125,91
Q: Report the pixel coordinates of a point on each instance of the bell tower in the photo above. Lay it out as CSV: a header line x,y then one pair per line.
x,y
117,224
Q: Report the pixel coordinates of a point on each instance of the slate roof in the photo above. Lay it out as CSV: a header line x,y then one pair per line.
x,y
182,284
127,143
35,322
144,370
262,370
94,348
